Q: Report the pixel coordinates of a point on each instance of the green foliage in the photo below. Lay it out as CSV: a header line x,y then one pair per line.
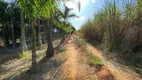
x,y
25,55
38,8
3,14
61,49
2,70
64,17
81,44
94,60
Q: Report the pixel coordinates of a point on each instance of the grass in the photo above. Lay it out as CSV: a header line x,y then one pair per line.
x,y
81,44
25,55
61,49
118,29
2,70
92,59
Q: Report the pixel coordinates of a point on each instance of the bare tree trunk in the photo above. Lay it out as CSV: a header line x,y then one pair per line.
x,y
39,35
45,32
34,67
50,49
23,41
13,40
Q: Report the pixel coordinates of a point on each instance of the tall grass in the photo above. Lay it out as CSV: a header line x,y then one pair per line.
x,y
116,26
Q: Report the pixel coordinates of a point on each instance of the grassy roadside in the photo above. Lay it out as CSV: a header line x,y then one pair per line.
x,y
102,72
93,61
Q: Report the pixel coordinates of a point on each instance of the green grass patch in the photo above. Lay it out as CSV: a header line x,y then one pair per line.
x,y
61,49
81,44
25,55
92,59
2,70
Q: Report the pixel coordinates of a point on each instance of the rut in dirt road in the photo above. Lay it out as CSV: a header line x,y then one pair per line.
x,y
72,63
77,64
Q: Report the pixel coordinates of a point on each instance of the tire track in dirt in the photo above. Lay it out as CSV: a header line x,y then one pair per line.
x,y
75,67
72,62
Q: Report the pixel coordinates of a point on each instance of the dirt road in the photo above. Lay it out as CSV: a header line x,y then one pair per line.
x,y
77,64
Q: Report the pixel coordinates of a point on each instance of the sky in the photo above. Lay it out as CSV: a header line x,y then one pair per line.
x,y
88,8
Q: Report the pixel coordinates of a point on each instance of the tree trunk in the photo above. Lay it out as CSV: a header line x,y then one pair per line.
x,y
45,32
13,40
39,35
34,67
23,41
50,49
139,9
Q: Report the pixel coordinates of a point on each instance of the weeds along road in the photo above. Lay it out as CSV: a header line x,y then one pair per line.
x,y
120,71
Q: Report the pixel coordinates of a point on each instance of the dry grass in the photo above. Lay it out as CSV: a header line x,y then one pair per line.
x,y
118,30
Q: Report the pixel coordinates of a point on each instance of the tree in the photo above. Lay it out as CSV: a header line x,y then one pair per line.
x,y
66,15
10,10
38,9
41,9
39,35
27,7
23,41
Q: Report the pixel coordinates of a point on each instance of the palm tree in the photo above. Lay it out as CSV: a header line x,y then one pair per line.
x,y
66,15
10,11
27,7
23,41
50,49
42,9
38,9
39,35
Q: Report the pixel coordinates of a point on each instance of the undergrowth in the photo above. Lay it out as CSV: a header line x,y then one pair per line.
x,y
2,70
61,49
93,61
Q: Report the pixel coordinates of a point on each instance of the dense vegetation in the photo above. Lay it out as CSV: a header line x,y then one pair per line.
x,y
118,27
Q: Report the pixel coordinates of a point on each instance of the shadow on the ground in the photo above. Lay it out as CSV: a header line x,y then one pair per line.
x,y
49,69
8,54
